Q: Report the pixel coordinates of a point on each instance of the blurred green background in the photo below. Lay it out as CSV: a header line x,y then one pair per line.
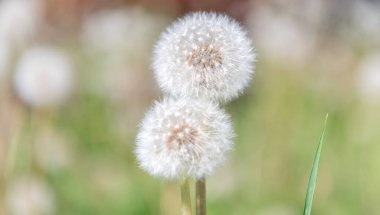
x,y
314,57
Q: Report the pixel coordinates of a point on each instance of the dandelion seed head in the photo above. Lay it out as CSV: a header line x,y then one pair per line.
x,y
183,137
204,54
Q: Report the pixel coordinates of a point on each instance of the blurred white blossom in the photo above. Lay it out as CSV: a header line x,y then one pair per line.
x,y
29,196
280,36
369,77
131,29
44,77
120,42
19,20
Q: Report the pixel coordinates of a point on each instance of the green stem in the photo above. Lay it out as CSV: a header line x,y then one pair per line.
x,y
185,197
201,196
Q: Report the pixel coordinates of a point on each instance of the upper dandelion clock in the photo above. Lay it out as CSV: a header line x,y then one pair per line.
x,y
204,55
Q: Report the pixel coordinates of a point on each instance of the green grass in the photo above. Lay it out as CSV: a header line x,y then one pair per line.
x,y
314,173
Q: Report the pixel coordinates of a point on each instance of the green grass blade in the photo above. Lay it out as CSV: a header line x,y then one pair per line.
x,y
314,172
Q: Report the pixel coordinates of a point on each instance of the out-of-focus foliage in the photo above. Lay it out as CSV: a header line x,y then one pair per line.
x,y
314,58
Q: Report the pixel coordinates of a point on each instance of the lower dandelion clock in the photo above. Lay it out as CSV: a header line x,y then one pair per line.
x,y
183,138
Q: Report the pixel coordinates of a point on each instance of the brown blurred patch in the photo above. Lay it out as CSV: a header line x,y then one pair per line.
x,y
236,8
67,14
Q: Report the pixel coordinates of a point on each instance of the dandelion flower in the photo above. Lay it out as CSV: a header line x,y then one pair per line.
x,y
43,77
183,138
204,55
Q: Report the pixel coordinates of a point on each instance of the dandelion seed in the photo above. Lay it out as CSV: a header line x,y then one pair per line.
x,y
195,141
204,55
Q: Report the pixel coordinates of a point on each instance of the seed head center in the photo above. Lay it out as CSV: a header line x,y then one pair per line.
x,y
205,56
181,135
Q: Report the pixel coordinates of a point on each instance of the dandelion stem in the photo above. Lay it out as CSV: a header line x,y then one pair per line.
x,y
201,196
185,197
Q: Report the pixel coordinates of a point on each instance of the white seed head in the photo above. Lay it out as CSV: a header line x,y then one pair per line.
x,y
183,137
204,55
43,77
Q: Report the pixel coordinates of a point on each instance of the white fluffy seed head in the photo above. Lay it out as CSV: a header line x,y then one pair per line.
x,y
183,138
204,55
43,77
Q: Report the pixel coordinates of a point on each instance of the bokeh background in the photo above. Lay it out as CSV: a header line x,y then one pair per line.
x,y
314,57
